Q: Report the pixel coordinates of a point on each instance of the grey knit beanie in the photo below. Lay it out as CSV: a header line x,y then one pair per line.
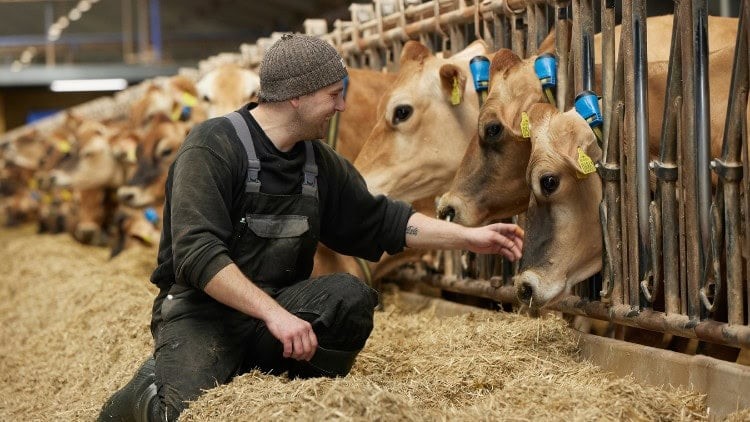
x,y
297,65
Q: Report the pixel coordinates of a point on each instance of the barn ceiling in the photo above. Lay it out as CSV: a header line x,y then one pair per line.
x,y
145,33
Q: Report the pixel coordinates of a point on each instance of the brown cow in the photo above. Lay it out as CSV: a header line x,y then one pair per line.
x,y
563,235
226,88
177,98
420,136
155,153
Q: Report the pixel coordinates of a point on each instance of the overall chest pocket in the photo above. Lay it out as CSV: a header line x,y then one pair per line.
x,y
269,249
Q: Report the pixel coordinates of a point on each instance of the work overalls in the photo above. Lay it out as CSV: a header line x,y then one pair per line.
x,y
201,343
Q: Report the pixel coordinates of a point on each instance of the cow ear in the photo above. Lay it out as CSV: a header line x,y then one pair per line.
x,y
503,60
453,82
579,148
414,51
184,84
476,48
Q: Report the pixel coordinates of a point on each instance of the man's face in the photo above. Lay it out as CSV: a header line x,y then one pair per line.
x,y
315,110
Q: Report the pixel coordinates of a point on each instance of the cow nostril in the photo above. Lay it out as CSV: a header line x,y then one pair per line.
x,y
525,291
447,213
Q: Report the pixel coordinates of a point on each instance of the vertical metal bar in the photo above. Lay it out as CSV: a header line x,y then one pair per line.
x,y
575,46
587,43
518,31
608,61
702,118
531,30
665,170
562,48
692,262
628,154
49,47
746,160
155,25
609,168
143,30
729,170
127,31
643,193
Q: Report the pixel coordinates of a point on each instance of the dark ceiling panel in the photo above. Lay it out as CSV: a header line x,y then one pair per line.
x,y
191,30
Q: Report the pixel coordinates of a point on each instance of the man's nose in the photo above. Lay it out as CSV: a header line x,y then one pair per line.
x,y
340,102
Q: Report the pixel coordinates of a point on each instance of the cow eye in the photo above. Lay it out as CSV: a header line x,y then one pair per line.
x,y
492,130
549,184
401,113
166,152
206,98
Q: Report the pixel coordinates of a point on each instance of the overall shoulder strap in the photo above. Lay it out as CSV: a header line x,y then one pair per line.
x,y
252,184
310,183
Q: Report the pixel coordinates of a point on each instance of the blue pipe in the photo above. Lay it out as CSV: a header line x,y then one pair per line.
x,y
155,21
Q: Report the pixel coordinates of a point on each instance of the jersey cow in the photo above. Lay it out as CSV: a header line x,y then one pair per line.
x,y
422,122
226,88
563,234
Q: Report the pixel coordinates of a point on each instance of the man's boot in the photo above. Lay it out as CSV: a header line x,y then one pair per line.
x,y
133,402
325,363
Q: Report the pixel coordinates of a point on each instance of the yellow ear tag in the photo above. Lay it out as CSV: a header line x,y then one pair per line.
x,y
189,100
63,146
131,158
66,195
176,113
525,125
585,163
456,93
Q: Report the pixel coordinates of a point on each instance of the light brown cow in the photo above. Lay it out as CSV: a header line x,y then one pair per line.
x,y
176,98
489,184
563,235
420,136
226,88
155,153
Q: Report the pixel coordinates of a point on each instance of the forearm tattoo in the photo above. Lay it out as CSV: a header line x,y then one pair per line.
x,y
412,231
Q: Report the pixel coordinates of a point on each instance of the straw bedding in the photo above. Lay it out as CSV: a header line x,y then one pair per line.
x,y
75,326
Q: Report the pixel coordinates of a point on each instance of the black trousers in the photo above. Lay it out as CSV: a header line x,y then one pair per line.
x,y
201,343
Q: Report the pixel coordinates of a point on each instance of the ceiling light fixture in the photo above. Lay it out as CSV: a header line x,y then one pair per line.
x,y
80,85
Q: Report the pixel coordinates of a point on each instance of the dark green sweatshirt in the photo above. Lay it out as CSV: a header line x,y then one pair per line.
x,y
204,198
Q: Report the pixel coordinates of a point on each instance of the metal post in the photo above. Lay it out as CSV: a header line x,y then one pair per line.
x,y
729,169
127,31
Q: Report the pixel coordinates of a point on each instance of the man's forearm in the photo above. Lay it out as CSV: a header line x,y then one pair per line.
x,y
429,233
230,287
424,232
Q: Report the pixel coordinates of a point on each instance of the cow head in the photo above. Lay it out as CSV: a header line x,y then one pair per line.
x,y
227,88
176,99
96,166
424,123
489,184
563,236
155,153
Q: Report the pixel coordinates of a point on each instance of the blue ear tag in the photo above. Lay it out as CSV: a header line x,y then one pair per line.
x,y
545,67
346,85
480,72
587,106
151,215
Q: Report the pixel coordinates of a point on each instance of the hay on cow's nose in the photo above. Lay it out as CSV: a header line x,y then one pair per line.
x,y
75,326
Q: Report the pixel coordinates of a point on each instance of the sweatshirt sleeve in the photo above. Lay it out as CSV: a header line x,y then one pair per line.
x,y
355,222
202,197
